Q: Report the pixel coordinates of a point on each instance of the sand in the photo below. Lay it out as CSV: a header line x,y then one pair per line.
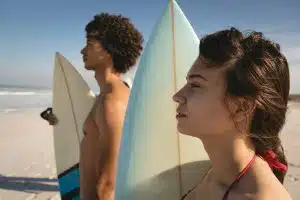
x,y
27,169
290,137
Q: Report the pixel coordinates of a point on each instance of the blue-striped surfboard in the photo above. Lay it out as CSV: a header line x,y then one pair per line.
x,y
72,101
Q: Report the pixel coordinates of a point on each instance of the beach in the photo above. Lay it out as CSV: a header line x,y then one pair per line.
x,y
27,170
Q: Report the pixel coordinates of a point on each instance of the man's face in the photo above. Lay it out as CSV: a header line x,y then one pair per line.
x,y
93,54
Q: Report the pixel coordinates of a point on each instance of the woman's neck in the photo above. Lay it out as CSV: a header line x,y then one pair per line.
x,y
228,156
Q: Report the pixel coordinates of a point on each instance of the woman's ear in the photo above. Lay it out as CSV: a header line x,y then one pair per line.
x,y
241,108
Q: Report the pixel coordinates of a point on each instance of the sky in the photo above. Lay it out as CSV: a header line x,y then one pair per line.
x,y
32,31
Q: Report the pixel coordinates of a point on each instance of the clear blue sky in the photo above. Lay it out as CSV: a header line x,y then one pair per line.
x,y
32,31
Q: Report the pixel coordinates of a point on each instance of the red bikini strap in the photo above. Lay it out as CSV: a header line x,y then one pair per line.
x,y
239,177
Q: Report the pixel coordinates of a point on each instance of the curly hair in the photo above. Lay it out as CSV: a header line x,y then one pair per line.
x,y
257,69
119,38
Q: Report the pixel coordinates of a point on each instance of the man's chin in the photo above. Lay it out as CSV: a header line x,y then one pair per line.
x,y
88,67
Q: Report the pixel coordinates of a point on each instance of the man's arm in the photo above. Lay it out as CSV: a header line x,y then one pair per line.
x,y
112,114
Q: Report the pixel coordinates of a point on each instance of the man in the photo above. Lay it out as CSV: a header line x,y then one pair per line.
x,y
113,45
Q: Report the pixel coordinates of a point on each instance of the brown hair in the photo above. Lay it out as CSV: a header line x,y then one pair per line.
x,y
119,37
256,70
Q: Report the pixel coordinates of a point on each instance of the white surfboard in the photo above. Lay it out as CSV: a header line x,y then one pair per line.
x,y
155,161
72,101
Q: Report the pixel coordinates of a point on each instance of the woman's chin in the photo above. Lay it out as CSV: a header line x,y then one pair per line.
x,y
183,131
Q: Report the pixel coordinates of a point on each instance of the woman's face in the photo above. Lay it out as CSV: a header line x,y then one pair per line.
x,y
201,109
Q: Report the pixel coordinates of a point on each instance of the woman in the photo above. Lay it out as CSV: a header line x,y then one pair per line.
x,y
235,101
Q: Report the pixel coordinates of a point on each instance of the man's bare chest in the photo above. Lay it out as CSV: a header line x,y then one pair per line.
x,y
92,124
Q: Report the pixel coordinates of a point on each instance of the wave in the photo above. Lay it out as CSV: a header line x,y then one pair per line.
x,y
8,110
29,93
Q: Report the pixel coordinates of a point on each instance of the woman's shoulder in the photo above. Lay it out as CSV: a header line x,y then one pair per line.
x,y
266,192
271,188
262,184
269,194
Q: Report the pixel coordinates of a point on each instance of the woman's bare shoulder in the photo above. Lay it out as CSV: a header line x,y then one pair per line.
x,y
269,187
261,184
272,191
266,192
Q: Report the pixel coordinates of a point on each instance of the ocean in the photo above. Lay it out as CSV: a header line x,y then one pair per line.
x,y
17,98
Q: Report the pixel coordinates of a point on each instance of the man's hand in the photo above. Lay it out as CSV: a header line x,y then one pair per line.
x,y
49,116
105,191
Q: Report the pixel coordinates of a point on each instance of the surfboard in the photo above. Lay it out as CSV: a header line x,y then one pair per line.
x,y
155,161
72,101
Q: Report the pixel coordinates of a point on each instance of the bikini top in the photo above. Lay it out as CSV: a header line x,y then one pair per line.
x,y
240,175
270,157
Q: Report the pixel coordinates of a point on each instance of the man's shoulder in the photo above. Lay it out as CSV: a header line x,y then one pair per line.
x,y
118,92
115,97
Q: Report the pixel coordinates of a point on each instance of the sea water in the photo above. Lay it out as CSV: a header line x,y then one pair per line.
x,y
17,98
